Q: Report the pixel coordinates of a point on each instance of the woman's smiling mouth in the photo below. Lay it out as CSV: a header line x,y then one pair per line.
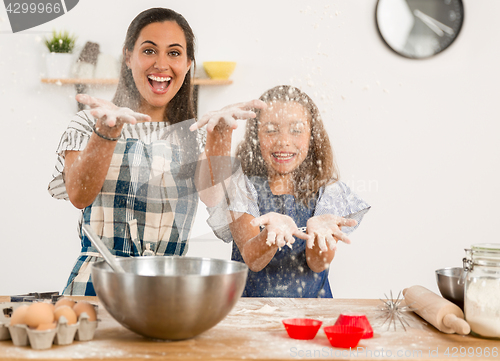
x,y
159,84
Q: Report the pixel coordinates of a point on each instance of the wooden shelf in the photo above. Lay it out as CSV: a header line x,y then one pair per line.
x,y
206,81
80,81
197,81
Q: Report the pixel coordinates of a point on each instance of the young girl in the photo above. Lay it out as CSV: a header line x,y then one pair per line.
x,y
131,164
289,209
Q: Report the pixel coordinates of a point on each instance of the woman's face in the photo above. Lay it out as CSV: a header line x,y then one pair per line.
x,y
284,133
159,63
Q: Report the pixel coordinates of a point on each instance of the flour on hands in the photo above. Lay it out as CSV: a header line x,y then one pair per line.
x,y
229,115
109,113
326,230
280,229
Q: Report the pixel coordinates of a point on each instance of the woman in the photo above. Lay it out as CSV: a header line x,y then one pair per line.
x,y
131,164
288,195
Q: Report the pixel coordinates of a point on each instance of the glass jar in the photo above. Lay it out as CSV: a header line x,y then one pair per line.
x,y
482,289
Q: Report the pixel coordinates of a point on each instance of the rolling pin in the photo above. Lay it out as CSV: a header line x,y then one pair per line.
x,y
439,312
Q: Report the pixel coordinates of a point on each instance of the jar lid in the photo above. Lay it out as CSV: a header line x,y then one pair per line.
x,y
485,253
486,247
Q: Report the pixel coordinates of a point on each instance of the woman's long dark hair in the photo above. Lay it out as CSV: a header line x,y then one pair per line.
x,y
181,107
319,167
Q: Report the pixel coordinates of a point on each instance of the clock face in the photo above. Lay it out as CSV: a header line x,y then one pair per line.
x,y
419,28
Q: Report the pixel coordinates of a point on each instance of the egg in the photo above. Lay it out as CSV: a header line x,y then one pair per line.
x,y
46,326
39,313
81,307
65,302
19,315
67,312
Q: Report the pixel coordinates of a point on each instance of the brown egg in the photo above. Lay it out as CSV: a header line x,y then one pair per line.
x,y
19,315
81,307
67,312
39,313
46,326
65,302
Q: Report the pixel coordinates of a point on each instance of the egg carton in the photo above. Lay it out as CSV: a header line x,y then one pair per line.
x,y
63,334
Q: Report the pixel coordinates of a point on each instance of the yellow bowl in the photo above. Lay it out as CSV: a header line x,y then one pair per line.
x,y
219,69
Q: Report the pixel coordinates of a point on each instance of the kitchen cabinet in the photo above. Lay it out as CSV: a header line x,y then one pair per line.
x,y
253,330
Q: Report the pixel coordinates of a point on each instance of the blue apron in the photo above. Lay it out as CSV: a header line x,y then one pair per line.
x,y
287,274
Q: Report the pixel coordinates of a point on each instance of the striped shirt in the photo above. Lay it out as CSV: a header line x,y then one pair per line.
x,y
148,201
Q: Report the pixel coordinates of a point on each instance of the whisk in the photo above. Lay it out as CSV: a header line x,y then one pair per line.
x,y
394,312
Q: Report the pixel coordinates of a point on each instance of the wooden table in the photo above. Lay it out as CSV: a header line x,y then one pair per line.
x,y
253,330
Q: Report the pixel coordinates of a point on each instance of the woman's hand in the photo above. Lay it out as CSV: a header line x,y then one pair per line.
x,y
280,229
229,115
325,230
109,114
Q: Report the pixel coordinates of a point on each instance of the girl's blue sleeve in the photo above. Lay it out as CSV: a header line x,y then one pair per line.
x,y
338,199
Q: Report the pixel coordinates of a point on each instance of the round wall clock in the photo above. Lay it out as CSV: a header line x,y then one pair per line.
x,y
419,28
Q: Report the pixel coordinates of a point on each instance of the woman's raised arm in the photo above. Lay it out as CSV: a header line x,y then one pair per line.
x,y
85,171
215,165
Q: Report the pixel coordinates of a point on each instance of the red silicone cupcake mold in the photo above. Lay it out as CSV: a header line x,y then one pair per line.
x,y
302,328
356,320
343,336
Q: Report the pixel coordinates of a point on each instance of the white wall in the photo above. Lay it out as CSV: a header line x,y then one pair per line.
x,y
416,139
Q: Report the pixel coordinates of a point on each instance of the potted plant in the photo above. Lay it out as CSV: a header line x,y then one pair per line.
x,y
60,58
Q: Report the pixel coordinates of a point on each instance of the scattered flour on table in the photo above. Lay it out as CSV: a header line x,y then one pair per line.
x,y
267,309
241,324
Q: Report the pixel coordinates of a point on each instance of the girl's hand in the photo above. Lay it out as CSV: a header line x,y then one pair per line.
x,y
109,114
325,229
280,229
229,115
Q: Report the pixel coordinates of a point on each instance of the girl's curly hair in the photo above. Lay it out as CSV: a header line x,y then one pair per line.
x,y
318,169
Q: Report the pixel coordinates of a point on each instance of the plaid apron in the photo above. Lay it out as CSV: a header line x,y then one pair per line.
x,y
148,201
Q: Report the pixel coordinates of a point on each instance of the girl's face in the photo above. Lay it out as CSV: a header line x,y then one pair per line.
x,y
284,133
159,63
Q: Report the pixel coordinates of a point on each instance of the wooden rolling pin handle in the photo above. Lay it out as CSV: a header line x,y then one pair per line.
x,y
459,325
435,309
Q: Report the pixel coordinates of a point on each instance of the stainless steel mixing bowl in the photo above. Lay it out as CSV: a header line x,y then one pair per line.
x,y
169,298
449,285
